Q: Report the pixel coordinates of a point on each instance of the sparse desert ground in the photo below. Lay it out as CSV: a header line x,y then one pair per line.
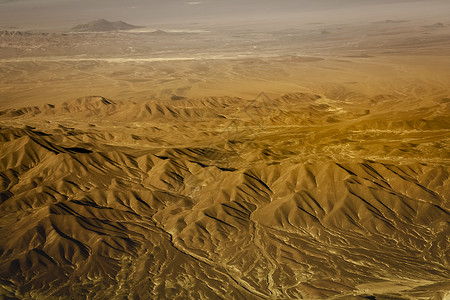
x,y
303,163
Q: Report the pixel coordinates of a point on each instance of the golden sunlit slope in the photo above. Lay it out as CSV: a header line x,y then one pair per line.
x,y
303,196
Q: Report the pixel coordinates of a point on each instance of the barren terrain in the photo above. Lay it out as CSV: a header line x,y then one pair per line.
x,y
303,163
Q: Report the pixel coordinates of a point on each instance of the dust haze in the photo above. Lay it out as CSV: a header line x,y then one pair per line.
x,y
224,149
53,14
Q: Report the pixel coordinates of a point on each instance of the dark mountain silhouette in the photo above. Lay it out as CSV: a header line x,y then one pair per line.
x,y
104,25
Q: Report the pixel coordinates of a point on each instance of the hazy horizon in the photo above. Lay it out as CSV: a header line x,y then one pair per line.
x,y
67,13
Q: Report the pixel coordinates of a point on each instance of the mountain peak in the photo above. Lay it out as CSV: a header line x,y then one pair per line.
x,y
103,25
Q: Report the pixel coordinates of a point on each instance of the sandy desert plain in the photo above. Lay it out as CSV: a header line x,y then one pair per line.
x,y
309,162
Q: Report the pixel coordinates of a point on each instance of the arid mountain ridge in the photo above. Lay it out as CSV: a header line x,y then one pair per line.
x,y
302,196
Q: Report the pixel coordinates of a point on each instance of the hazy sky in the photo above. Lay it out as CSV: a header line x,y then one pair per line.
x,y
67,13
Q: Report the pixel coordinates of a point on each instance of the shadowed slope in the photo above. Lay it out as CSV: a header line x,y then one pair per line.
x,y
276,200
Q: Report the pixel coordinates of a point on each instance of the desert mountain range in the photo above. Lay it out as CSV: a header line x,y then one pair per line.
x,y
296,197
245,150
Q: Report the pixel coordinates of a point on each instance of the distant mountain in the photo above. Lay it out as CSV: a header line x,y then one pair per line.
x,y
435,26
104,25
